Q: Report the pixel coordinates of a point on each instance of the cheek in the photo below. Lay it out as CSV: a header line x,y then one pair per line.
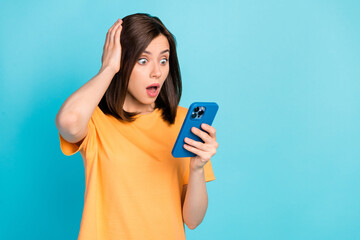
x,y
132,83
136,83
137,75
166,72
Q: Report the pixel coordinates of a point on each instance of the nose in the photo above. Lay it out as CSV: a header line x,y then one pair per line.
x,y
155,71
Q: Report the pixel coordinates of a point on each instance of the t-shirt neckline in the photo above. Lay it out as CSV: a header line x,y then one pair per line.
x,y
147,114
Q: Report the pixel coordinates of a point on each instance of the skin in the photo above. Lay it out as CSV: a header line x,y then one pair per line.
x,y
195,193
151,67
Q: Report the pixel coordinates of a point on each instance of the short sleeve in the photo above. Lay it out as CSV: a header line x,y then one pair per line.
x,y
71,148
208,171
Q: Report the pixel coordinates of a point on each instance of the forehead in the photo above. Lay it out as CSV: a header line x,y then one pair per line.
x,y
158,44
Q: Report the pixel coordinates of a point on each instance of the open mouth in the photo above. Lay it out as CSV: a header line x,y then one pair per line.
x,y
152,89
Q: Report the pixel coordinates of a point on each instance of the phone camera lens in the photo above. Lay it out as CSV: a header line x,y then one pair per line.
x,y
201,112
196,109
193,115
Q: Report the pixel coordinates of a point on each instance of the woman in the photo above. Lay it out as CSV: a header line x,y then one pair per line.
x,y
124,121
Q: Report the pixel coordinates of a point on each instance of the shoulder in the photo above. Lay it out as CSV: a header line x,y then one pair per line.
x,y
182,110
98,114
180,115
98,117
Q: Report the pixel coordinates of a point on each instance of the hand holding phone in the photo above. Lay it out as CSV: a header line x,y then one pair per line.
x,y
198,113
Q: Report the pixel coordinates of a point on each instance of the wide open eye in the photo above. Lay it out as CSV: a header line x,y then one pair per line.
x,y
163,61
142,61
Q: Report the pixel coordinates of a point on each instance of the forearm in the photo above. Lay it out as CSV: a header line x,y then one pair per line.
x,y
196,199
81,104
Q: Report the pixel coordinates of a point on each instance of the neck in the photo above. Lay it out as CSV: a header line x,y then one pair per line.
x,y
132,105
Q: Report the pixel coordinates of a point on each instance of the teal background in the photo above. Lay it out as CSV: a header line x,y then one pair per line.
x,y
284,73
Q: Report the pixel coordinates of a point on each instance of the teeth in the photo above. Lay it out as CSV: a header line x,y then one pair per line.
x,y
153,89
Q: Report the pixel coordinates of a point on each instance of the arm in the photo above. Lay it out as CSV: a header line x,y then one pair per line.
x,y
195,199
195,193
76,111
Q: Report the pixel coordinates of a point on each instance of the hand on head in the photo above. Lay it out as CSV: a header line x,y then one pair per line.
x,y
111,57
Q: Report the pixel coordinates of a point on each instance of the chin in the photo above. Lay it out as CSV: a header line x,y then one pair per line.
x,y
148,101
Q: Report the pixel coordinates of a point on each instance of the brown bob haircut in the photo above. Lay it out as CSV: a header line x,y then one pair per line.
x,y
138,30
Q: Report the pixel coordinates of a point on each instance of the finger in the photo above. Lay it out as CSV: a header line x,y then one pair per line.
x,y
203,135
196,144
113,31
196,151
117,35
210,129
106,40
109,33
204,156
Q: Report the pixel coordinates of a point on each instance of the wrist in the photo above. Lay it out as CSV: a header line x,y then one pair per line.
x,y
198,170
107,69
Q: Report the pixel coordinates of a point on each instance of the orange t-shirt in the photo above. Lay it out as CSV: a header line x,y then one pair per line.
x,y
133,184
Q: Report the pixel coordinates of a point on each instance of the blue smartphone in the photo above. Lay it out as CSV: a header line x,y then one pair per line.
x,y
198,113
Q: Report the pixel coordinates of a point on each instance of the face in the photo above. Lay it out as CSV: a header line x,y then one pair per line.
x,y
151,68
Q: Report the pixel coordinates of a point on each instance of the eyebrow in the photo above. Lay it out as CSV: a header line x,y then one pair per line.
x,y
167,50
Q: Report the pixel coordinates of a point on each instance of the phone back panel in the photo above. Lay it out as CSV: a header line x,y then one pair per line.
x,y
194,119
